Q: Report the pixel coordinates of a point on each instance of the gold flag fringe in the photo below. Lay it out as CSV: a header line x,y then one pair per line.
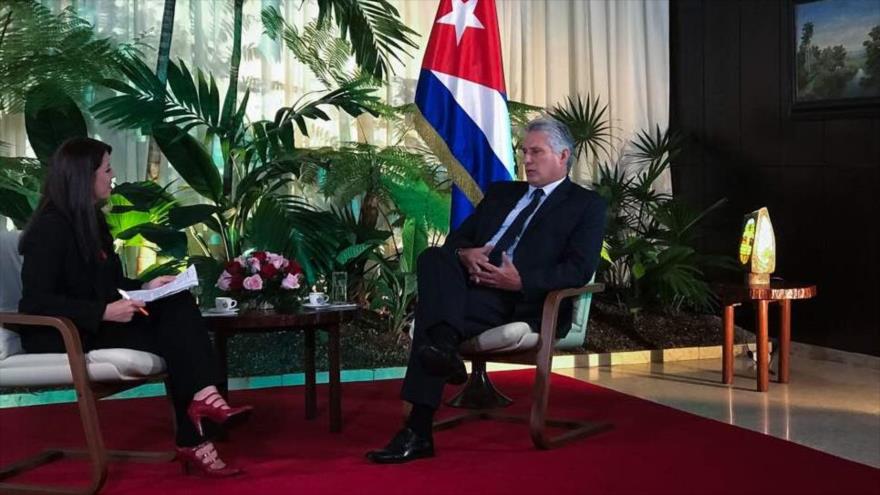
x,y
457,172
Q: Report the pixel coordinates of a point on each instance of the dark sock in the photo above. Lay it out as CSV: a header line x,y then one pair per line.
x,y
421,420
445,337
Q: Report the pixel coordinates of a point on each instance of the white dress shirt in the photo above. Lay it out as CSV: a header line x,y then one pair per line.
x,y
520,205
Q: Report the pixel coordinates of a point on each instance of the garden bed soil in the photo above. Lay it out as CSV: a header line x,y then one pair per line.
x,y
614,329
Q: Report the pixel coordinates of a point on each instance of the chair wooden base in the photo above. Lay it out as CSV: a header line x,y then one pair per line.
x,y
576,429
478,392
99,469
87,393
541,357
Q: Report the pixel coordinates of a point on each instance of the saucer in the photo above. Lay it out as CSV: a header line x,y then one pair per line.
x,y
316,306
220,312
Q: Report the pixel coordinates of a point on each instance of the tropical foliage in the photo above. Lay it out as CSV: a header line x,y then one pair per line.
x,y
50,118
226,213
648,258
38,47
48,63
588,123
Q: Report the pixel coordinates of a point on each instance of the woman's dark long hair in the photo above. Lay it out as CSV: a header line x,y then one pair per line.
x,y
69,190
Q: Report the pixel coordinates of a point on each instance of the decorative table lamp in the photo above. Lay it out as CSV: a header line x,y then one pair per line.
x,y
757,249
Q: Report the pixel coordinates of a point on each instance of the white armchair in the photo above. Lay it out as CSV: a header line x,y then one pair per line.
x,y
94,375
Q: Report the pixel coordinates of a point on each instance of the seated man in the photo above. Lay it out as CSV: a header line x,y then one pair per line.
x,y
524,240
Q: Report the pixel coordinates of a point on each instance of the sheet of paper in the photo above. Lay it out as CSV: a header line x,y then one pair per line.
x,y
182,282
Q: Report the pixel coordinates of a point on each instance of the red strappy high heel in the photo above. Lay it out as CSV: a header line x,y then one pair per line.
x,y
215,408
204,460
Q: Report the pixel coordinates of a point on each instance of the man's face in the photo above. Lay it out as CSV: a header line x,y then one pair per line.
x,y
542,165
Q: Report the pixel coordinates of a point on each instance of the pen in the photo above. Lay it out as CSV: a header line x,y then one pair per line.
x,y
128,298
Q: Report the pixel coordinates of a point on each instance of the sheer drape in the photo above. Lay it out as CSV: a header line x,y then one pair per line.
x,y
614,49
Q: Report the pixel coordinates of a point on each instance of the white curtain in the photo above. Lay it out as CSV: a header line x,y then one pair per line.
x,y
617,50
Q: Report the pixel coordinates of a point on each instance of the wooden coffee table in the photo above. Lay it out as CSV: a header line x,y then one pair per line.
x,y
778,291
306,321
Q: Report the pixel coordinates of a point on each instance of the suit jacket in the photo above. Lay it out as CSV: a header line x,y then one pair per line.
x,y
56,281
559,248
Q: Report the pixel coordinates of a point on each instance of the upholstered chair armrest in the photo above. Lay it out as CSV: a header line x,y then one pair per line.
x,y
69,333
550,315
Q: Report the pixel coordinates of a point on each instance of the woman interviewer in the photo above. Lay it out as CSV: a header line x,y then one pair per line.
x,y
70,270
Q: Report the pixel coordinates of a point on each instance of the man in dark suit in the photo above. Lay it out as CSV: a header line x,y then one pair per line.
x,y
524,240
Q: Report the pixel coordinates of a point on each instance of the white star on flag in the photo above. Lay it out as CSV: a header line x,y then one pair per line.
x,y
462,17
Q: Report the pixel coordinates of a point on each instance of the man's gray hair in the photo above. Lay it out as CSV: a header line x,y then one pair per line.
x,y
558,136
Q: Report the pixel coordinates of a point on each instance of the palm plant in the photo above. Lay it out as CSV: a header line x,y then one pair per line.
x,y
163,57
648,254
20,182
50,118
589,126
402,205
374,30
395,188
48,62
39,47
259,160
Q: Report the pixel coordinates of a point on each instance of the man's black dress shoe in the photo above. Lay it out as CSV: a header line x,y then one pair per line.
x,y
404,447
442,363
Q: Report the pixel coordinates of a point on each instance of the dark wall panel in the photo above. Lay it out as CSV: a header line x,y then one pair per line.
x,y
820,178
760,54
849,142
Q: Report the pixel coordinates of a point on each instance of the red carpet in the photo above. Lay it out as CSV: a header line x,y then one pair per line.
x,y
652,449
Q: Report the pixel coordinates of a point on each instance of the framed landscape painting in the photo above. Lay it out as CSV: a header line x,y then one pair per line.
x,y
836,55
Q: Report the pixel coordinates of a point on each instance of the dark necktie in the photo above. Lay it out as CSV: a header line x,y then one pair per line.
x,y
515,230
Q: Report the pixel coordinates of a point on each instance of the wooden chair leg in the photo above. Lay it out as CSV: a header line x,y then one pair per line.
x,y
96,452
538,420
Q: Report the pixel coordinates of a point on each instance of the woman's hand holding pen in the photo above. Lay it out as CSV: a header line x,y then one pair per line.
x,y
122,310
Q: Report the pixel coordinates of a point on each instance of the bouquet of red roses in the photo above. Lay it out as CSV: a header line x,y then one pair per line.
x,y
264,277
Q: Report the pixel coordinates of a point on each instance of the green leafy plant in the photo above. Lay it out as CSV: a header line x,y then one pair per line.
x,y
373,28
376,195
20,183
260,160
392,294
648,258
587,122
402,203
51,117
39,47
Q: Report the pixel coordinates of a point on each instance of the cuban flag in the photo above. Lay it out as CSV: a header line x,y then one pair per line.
x,y
463,103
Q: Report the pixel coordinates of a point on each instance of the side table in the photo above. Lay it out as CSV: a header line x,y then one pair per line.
x,y
306,321
732,295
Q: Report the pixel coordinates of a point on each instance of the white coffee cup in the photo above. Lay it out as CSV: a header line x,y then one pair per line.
x,y
318,298
225,303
